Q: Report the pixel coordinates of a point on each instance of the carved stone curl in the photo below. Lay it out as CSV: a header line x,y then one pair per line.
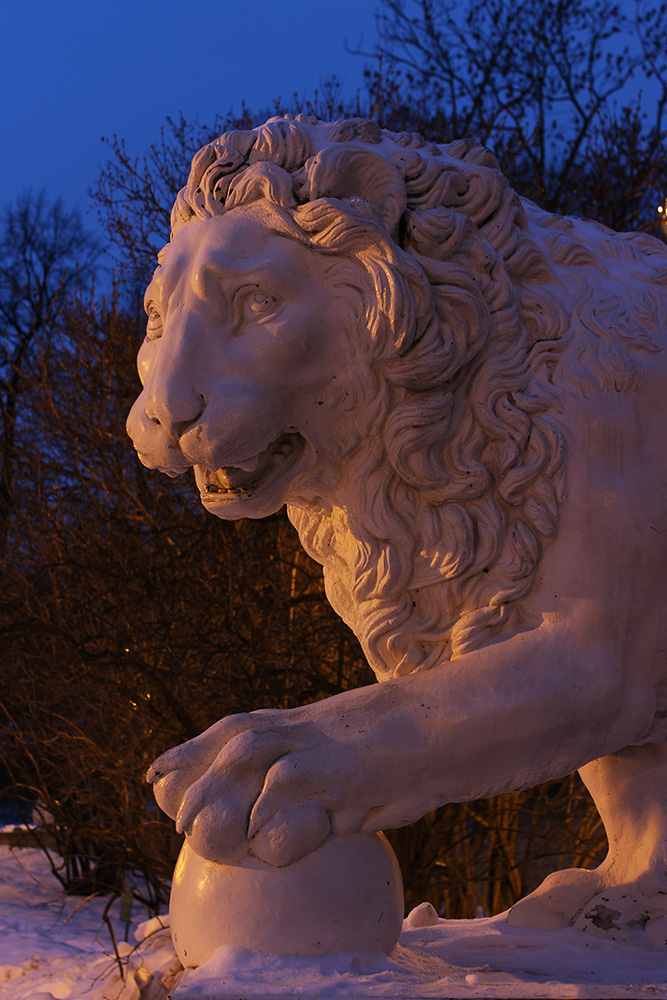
x,y
460,399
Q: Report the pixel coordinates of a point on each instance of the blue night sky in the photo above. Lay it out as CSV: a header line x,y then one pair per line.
x,y
72,72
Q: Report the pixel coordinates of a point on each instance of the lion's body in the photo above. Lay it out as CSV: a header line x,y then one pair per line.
x,y
461,399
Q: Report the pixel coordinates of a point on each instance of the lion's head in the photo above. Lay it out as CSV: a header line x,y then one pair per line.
x,y
366,327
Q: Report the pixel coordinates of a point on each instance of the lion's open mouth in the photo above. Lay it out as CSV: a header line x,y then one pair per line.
x,y
240,482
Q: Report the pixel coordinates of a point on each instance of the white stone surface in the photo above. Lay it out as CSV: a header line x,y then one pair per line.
x,y
461,400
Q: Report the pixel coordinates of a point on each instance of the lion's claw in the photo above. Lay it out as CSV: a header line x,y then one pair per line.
x,y
291,834
186,816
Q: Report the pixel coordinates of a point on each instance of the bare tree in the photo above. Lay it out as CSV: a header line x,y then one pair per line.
x,y
45,253
544,83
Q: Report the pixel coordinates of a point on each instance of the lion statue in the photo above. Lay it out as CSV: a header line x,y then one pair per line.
x,y
460,399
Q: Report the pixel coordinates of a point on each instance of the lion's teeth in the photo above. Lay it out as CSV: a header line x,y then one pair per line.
x,y
243,478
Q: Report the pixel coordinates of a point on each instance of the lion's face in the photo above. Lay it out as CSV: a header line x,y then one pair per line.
x,y
241,365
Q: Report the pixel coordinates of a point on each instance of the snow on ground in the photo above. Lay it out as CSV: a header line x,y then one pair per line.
x,y
56,947
452,959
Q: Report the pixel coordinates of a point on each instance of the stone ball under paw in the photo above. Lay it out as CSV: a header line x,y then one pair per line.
x,y
347,894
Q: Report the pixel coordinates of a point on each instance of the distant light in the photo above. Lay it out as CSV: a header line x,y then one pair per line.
x,y
660,209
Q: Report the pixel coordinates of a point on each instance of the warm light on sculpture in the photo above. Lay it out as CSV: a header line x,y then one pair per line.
x,y
460,399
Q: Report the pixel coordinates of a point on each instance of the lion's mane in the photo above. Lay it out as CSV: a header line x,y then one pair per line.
x,y
480,310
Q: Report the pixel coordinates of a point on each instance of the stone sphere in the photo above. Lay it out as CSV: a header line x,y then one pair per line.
x,y
347,894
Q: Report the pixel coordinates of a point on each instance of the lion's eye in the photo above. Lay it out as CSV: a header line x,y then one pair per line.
x,y
154,323
258,304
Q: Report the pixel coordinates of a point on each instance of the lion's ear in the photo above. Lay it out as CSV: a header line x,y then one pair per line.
x,y
344,173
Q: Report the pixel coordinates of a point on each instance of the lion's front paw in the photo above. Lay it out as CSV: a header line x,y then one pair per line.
x,y
250,785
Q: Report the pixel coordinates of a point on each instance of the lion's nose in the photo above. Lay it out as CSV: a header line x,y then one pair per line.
x,y
174,408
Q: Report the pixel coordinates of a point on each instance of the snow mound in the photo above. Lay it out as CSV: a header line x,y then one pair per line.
x,y
55,947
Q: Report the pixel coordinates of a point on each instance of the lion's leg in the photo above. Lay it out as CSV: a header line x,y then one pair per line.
x,y
629,889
